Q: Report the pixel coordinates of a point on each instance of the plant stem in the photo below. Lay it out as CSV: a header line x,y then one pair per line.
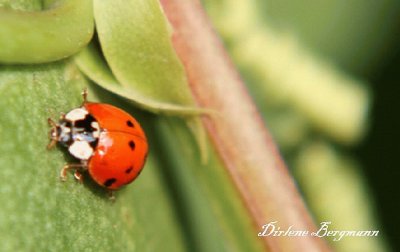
x,y
238,133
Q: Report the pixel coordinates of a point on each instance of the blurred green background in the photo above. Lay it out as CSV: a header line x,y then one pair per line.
x,y
335,44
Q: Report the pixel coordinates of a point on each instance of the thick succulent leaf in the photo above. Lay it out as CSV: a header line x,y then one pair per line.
x,y
39,212
44,36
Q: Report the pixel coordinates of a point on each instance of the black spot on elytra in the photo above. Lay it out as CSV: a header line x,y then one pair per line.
x,y
130,124
127,171
132,145
109,182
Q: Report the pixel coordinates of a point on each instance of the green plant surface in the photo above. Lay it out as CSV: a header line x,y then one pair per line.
x,y
38,36
41,213
24,5
94,66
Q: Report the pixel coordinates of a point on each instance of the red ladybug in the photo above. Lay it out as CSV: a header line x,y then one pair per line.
x,y
109,143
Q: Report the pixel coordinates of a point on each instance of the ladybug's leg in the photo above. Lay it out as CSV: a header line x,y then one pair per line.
x,y
67,167
84,95
111,195
51,122
78,176
51,144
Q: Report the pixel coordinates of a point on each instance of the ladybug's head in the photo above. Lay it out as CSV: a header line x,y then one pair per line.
x,y
59,132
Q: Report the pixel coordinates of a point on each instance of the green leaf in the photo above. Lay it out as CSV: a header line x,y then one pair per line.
x,y
135,40
44,36
41,213
93,65
24,5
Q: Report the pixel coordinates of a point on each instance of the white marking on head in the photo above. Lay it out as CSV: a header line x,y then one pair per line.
x,y
65,130
96,127
81,150
63,134
76,114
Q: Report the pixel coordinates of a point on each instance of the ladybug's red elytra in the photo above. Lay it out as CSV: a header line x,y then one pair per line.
x,y
108,142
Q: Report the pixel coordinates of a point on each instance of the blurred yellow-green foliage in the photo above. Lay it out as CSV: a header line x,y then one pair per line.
x,y
317,70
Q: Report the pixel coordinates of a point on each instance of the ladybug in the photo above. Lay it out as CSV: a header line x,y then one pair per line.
x,y
108,142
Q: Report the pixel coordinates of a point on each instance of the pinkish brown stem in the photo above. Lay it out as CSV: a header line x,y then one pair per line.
x,y
239,135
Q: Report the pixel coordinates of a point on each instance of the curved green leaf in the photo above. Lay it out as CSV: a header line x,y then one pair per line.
x,y
44,36
136,43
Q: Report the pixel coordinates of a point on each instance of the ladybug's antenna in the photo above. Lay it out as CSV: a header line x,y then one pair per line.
x,y
52,134
51,122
